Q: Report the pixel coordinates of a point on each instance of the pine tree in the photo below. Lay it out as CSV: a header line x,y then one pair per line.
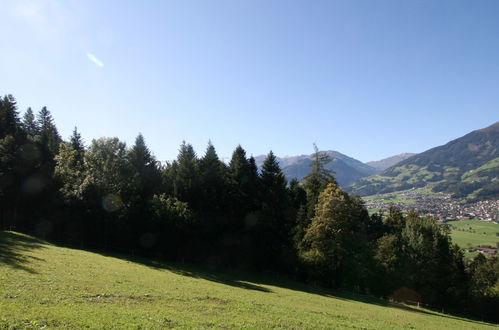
x,y
78,145
273,230
49,137
186,185
241,192
145,165
29,124
9,117
319,176
212,176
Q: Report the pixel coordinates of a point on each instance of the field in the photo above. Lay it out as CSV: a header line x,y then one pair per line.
x,y
47,286
471,233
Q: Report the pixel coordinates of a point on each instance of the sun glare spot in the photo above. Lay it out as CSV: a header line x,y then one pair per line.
x,y
95,60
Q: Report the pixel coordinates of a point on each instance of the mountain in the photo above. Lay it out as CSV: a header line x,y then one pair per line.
x,y
383,164
465,167
346,169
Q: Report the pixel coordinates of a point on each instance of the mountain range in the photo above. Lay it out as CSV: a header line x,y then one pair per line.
x,y
383,164
347,170
465,167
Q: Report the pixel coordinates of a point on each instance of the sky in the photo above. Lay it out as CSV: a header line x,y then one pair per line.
x,y
369,79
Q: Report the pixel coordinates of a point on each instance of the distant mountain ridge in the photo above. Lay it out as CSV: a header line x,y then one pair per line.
x,y
465,167
346,169
383,164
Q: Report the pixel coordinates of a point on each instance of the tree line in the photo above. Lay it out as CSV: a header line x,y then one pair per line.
x,y
199,209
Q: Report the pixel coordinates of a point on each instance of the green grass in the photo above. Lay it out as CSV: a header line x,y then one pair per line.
x,y
471,233
48,286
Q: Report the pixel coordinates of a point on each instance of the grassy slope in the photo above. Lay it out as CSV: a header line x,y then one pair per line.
x,y
46,285
470,233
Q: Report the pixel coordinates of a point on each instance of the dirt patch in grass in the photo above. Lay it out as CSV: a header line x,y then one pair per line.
x,y
104,298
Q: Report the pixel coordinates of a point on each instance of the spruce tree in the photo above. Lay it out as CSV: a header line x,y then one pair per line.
x,y
240,187
78,145
29,124
49,137
146,168
9,117
186,183
212,176
273,230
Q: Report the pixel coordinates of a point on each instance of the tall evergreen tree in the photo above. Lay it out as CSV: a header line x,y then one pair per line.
x,y
9,117
318,178
212,176
29,124
49,137
145,165
273,230
240,184
186,185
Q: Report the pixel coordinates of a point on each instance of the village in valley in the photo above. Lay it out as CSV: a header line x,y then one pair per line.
x,y
440,205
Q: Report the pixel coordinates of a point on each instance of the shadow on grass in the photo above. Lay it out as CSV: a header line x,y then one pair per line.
x,y
13,247
261,281
225,277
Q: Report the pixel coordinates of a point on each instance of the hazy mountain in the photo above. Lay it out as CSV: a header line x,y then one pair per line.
x,y
383,164
465,167
346,169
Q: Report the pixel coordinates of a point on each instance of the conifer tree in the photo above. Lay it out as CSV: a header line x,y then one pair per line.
x,y
273,229
49,137
9,117
319,176
240,186
29,124
145,165
78,145
212,176
186,185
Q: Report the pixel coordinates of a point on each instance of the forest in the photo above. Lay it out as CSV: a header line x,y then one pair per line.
x,y
198,209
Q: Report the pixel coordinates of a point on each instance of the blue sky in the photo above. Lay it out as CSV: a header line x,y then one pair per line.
x,y
367,78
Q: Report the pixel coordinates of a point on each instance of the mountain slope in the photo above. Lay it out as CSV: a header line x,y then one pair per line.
x,y
47,286
346,169
385,163
465,167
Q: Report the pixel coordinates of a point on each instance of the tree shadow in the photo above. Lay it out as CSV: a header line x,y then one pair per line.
x,y
13,247
226,277
261,281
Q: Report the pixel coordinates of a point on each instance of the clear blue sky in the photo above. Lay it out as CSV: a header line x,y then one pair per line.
x,y
367,78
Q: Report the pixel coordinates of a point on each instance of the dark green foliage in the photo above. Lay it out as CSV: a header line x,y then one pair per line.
x,y
30,125
242,184
48,136
9,117
186,175
272,230
145,166
212,176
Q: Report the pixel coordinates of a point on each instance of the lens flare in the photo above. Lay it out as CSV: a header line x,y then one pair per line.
x,y
95,60
111,203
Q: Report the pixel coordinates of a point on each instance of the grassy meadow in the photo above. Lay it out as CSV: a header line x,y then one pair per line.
x,y
471,233
48,286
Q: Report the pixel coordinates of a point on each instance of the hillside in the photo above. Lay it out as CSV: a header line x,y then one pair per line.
x,y
465,167
346,169
47,286
385,163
